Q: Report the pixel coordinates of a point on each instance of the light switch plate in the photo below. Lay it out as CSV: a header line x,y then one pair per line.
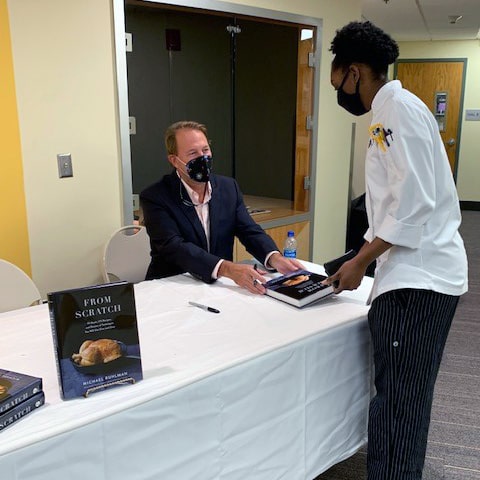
x,y
65,168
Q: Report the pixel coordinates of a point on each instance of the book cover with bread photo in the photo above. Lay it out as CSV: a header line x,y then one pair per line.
x,y
95,337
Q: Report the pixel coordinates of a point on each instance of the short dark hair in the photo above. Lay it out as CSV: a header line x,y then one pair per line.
x,y
363,42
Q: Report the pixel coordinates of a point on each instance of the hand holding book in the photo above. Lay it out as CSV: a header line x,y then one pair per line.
x,y
345,272
333,266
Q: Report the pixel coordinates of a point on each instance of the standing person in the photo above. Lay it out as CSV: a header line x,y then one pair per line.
x,y
192,217
413,219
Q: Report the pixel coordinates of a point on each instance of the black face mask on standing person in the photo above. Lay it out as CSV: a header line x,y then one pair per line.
x,y
351,102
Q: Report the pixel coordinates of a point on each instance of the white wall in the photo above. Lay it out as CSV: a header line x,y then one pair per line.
x,y
66,94
468,172
65,77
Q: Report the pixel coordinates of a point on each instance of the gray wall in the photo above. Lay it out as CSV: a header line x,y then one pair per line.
x,y
195,84
266,90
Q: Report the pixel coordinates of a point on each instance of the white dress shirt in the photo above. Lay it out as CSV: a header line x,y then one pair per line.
x,y
411,198
201,208
203,212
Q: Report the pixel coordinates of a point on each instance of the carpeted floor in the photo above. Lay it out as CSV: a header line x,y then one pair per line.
x,y
453,451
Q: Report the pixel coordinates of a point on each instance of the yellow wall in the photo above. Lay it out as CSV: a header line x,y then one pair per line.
x,y
468,172
14,245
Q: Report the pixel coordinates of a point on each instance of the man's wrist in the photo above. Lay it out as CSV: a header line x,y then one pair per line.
x,y
223,268
216,270
267,264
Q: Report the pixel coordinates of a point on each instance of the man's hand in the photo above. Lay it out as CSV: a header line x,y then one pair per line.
x,y
243,275
284,265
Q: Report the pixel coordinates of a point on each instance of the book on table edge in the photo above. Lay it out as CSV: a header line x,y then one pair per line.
x,y
16,388
299,288
105,313
21,410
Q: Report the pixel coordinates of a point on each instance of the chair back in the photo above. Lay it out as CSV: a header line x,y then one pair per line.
x,y
17,289
127,255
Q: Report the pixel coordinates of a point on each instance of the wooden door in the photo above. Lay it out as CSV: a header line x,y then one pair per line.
x,y
426,78
303,143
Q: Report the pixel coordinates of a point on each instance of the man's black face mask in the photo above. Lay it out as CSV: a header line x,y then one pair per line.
x,y
351,102
199,168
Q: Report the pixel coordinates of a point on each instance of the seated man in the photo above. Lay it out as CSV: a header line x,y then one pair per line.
x,y
192,217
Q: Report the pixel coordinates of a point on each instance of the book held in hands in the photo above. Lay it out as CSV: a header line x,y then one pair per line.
x,y
299,288
95,336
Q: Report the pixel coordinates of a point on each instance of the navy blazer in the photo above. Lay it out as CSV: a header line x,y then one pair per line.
x,y
177,239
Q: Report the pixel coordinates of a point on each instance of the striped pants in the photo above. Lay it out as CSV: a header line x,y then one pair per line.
x,y
409,329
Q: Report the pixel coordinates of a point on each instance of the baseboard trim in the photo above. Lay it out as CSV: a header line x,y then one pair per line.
x,y
465,205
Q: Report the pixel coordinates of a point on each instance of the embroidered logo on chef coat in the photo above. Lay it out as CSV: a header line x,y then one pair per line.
x,y
380,136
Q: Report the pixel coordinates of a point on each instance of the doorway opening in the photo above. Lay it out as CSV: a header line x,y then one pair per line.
x,y
249,79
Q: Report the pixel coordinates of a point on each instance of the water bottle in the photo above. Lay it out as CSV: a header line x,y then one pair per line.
x,y
290,246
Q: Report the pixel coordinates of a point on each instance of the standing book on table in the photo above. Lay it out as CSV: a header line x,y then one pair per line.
x,y
299,288
95,337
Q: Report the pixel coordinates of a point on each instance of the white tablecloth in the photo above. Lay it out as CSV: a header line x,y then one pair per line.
x,y
260,391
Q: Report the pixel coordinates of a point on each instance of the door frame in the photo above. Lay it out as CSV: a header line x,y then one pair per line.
x,y
217,6
462,94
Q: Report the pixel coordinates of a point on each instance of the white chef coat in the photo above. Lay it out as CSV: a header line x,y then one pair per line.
x,y
411,198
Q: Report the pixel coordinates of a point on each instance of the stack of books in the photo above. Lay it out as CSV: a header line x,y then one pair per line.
x,y
19,395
